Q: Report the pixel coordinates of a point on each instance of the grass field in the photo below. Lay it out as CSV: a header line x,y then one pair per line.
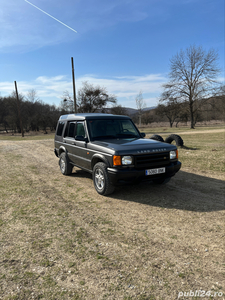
x,y
61,240
27,137
203,152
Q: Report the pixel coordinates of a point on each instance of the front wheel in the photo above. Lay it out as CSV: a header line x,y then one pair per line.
x,y
101,179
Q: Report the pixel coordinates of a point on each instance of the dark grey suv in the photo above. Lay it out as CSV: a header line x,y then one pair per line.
x,y
113,150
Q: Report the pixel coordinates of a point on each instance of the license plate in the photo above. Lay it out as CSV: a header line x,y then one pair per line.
x,y
155,171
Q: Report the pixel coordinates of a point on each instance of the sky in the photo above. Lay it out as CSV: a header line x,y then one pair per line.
x,y
122,45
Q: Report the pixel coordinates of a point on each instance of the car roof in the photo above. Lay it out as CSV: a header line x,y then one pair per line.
x,y
86,116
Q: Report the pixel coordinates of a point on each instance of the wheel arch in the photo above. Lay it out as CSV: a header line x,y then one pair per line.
x,y
62,149
98,158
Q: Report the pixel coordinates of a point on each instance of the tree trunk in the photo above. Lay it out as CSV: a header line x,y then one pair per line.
x,y
191,112
192,121
140,120
5,128
177,123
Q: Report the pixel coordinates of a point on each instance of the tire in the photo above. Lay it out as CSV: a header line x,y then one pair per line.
x,y
161,180
65,166
157,137
176,138
101,179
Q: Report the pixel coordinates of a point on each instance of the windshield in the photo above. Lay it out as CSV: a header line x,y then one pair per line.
x,y
112,129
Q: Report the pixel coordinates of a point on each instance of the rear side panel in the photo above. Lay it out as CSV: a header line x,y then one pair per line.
x,y
59,135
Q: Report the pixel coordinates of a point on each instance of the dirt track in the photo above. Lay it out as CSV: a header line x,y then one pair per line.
x,y
201,131
153,241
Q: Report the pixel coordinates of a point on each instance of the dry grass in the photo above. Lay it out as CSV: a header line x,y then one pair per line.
x,y
203,153
27,136
61,240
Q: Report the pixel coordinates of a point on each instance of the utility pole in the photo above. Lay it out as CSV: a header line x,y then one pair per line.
x,y
18,107
74,90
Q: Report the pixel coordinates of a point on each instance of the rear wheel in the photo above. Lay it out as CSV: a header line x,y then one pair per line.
x,y
65,166
101,179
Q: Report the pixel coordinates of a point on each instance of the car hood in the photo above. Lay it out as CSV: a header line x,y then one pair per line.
x,y
135,146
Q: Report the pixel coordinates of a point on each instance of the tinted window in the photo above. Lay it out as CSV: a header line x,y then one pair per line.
x,y
128,126
60,128
80,130
70,128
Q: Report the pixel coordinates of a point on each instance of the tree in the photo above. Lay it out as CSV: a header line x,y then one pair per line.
x,y
118,110
34,113
32,96
67,103
193,74
218,102
172,110
140,105
4,112
91,99
147,117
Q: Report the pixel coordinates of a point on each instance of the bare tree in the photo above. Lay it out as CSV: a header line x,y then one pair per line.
x,y
67,103
193,74
147,117
32,96
91,99
141,104
218,102
34,113
118,110
172,110
4,112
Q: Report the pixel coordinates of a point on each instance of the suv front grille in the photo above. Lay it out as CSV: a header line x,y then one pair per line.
x,y
151,160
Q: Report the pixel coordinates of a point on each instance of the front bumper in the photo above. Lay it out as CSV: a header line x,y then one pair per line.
x,y
128,175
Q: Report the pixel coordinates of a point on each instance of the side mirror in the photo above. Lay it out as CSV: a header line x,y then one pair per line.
x,y
142,134
81,138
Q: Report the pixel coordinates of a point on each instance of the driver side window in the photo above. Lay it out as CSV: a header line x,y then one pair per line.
x,y
128,127
80,131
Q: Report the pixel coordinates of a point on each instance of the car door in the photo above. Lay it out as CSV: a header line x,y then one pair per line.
x,y
69,139
81,153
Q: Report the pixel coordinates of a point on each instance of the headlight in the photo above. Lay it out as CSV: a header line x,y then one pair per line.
x,y
127,160
173,154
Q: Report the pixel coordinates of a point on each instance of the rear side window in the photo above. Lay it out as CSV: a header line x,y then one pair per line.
x,y
69,132
60,128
